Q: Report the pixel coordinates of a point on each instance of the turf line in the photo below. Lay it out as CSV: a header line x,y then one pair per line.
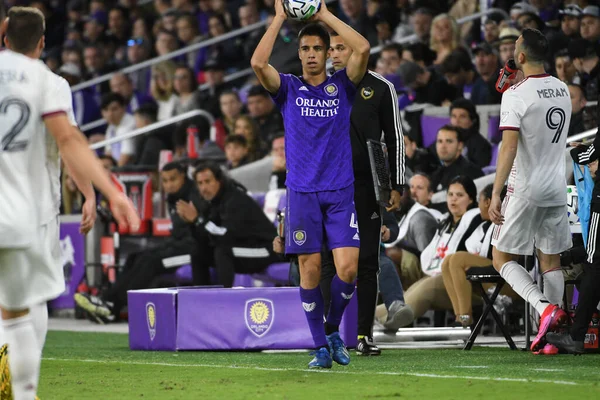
x,y
423,375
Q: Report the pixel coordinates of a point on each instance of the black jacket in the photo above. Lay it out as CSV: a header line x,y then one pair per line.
x,y
234,219
375,110
441,178
181,229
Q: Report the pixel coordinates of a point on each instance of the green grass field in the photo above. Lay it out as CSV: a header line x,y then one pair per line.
x,y
101,366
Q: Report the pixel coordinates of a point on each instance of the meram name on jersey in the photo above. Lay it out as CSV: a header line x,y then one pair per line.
x,y
317,107
551,93
12,75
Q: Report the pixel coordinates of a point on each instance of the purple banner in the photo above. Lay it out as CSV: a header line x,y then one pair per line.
x,y
225,319
72,246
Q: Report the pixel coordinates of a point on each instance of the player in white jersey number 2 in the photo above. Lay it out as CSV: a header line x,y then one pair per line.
x,y
534,117
32,107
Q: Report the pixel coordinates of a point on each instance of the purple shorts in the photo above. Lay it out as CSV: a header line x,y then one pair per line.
x,y
310,216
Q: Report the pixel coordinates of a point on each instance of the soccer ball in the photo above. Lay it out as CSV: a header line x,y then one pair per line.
x,y
301,10
572,205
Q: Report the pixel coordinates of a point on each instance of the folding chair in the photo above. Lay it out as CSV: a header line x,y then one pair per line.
x,y
477,276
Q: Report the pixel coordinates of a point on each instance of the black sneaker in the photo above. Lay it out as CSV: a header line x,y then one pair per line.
x,y
565,342
366,347
98,310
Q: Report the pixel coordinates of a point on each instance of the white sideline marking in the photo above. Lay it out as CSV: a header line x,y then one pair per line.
x,y
423,375
470,366
548,369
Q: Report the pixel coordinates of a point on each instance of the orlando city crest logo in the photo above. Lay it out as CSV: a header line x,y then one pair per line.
x,y
299,237
259,315
151,319
331,89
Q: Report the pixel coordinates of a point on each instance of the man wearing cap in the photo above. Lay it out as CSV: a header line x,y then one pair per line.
x,y
460,73
570,18
486,62
506,43
214,74
590,23
587,63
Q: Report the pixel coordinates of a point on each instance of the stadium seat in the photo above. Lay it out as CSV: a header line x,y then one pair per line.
x,y
494,134
429,126
477,276
490,169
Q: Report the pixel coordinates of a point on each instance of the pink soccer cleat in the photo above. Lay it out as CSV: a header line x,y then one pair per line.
x,y
552,316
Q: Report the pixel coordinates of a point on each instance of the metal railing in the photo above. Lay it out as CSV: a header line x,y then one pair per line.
x,y
152,127
583,135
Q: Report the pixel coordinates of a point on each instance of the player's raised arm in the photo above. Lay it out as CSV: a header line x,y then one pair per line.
x,y
357,64
266,74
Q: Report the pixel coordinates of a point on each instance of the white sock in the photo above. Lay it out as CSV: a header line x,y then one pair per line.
x,y
518,278
24,356
554,285
39,316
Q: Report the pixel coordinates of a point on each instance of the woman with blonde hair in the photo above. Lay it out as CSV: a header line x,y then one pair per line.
x,y
161,88
445,36
244,125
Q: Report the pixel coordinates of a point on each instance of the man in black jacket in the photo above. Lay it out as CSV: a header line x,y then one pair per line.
x,y
142,268
449,147
234,233
375,110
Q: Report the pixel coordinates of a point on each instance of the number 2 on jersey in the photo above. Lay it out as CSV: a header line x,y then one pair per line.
x,y
7,142
556,126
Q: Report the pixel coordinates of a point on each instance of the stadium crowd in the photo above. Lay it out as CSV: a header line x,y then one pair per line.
x,y
429,57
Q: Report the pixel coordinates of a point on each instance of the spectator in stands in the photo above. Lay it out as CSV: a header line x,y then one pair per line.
x,y
355,15
161,6
578,103
166,42
416,158
167,21
445,37
460,73
531,20
590,23
94,27
231,109
385,20
188,34
184,84
563,65
233,232
142,29
421,25
391,54
161,88
419,53
119,124
450,237
71,198
72,54
248,15
214,72
229,52
108,163
236,151
477,149
570,19
506,43
279,171
421,191
246,126
121,84
449,146
85,107
477,254
429,86
150,145
262,109
417,225
138,50
142,268
487,65
95,66
587,63
54,23
491,31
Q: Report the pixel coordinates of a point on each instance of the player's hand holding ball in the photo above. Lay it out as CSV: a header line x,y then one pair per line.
x,y
302,10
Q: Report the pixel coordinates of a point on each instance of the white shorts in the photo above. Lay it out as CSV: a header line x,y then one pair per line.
x,y
34,275
527,225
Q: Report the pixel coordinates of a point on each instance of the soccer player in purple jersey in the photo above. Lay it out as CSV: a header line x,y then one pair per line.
x,y
320,201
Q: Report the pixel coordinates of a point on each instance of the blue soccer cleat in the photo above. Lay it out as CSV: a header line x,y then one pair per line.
x,y
339,353
322,358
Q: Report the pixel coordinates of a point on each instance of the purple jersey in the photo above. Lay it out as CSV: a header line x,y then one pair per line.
x,y
317,132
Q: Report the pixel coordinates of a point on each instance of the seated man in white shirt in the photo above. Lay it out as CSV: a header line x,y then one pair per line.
x,y
119,123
